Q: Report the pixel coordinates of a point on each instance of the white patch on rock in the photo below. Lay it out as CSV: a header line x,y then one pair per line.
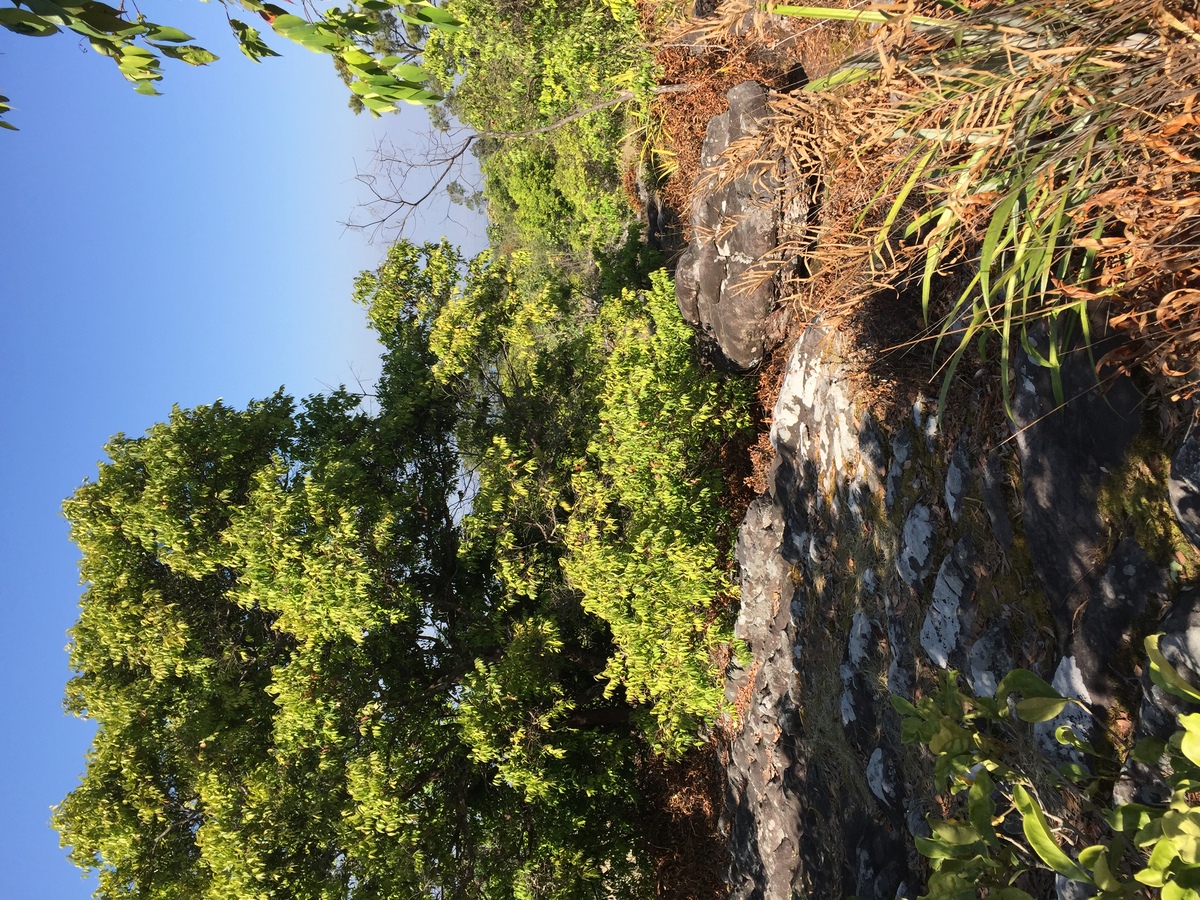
x,y
877,779
939,633
860,638
916,546
1068,681
980,674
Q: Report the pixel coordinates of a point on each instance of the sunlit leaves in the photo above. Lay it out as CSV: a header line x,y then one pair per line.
x,y
642,538
136,44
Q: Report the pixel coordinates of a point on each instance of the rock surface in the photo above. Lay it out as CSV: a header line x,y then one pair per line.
x,y
724,281
839,611
838,607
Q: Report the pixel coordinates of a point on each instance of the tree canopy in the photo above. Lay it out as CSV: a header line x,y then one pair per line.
x,y
417,651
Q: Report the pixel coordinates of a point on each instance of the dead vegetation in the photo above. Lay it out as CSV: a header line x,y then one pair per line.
x,y
1034,164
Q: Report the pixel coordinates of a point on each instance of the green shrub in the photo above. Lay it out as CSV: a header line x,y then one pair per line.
x,y
644,535
974,741
524,65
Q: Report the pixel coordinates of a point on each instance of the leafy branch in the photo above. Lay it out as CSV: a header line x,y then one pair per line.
x,y
137,45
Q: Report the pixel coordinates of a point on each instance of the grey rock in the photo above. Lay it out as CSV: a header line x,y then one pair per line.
x,y
870,581
955,585
860,638
1065,451
958,483
1131,580
901,672
1069,682
724,280
916,547
901,451
915,817
870,446
989,661
1184,484
877,857
883,778
994,500
1180,645
857,646
1066,889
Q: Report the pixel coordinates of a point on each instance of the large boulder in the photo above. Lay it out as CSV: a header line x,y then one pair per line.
x,y
724,280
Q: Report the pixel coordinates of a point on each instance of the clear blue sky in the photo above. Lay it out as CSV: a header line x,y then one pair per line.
x,y
152,251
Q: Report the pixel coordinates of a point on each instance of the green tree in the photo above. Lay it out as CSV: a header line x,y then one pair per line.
x,y
365,41
304,685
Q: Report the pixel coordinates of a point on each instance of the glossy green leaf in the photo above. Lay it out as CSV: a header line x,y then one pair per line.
x,y
1164,674
1040,709
1041,838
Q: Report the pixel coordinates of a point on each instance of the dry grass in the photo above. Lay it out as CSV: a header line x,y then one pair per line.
x,y
711,56
681,804
1061,145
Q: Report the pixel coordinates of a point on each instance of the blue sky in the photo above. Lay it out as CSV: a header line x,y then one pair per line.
x,y
152,251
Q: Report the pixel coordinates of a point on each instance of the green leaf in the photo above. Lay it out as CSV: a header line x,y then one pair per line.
x,y
411,73
956,833
166,33
931,848
147,88
26,23
1155,872
1026,683
903,706
1164,674
1149,751
250,42
1189,744
1040,709
190,54
1041,838
1173,890
286,22
1066,736
1096,859
980,806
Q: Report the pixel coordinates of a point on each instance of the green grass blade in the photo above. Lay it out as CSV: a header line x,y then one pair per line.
x,y
870,16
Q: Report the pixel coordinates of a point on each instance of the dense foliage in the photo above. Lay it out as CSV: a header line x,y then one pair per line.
x,y
419,651
1125,846
524,65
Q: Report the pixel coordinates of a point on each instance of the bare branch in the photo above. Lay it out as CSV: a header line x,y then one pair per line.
x,y
442,161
